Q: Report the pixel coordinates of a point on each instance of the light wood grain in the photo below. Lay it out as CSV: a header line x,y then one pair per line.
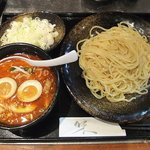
x,y
145,146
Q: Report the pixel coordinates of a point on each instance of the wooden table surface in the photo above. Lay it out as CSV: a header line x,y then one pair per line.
x,y
140,146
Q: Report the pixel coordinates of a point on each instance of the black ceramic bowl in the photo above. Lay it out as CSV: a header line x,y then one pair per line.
x,y
33,50
52,18
121,112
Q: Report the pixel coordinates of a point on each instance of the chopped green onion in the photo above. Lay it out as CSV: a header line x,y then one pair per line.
x,y
12,69
29,70
26,68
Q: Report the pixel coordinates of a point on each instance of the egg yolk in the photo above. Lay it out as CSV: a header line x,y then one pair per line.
x,y
29,92
5,89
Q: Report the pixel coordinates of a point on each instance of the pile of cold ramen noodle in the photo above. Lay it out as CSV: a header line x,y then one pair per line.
x,y
26,91
115,62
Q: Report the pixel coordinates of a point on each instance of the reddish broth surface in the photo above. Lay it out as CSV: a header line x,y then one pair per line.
x,y
42,74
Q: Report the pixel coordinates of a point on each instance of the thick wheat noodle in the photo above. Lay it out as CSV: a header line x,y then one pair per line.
x,y
115,62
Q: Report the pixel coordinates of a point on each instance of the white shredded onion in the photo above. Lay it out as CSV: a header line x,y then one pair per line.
x,y
21,70
33,31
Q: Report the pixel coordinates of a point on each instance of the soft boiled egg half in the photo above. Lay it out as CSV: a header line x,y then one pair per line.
x,y
8,87
29,91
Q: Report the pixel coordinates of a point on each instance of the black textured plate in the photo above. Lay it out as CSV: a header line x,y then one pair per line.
x,y
52,18
121,112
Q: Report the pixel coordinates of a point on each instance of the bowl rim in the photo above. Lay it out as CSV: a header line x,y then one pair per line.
x,y
52,104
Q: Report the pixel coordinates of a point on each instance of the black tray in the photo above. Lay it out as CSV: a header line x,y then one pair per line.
x,y
47,132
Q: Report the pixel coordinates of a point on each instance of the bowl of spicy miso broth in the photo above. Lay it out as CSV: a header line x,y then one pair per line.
x,y
27,93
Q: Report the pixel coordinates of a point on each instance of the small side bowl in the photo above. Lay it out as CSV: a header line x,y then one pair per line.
x,y
52,18
11,49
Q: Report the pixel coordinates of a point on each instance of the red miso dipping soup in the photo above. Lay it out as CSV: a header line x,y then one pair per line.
x,y
25,91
